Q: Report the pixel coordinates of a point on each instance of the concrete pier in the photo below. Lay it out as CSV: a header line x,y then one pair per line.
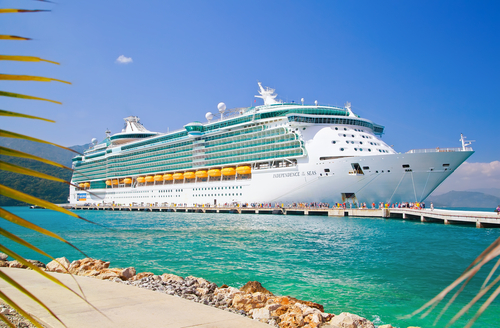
x,y
478,219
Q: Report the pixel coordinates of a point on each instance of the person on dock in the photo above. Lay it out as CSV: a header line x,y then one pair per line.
x,y
498,209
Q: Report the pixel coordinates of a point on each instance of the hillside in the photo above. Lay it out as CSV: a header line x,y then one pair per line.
x,y
48,190
464,199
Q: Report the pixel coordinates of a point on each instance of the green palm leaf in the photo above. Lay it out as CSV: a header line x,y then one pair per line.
x,y
26,58
13,77
18,95
8,134
16,153
19,309
14,114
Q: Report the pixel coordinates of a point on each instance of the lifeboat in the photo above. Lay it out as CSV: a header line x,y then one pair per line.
x,y
122,181
214,173
168,177
81,185
201,174
115,182
141,179
108,182
244,169
178,176
150,178
189,175
229,171
158,177
127,181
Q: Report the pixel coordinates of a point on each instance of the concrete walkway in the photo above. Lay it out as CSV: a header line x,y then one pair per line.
x,y
124,306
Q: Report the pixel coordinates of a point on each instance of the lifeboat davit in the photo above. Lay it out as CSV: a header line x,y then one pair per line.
x,y
178,176
141,179
189,175
244,169
150,178
158,177
127,181
201,174
168,177
214,173
229,171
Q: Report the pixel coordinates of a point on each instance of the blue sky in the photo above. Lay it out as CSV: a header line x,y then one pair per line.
x,y
426,70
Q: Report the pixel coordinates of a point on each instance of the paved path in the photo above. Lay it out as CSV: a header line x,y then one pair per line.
x,y
124,306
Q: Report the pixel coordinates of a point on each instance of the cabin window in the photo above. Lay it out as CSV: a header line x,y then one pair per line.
x,y
327,170
366,167
446,165
405,166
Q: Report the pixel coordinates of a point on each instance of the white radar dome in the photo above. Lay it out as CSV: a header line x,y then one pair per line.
x,y
209,116
94,141
222,107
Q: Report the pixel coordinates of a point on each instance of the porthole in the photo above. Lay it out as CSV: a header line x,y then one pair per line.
x,y
334,142
336,128
345,135
356,149
369,149
341,149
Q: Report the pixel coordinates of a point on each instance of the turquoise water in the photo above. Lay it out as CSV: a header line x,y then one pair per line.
x,y
377,268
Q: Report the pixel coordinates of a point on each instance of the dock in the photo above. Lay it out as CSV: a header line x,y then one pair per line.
x,y
479,219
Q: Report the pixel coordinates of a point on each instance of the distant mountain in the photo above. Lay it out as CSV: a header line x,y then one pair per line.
x,y
488,191
48,190
464,199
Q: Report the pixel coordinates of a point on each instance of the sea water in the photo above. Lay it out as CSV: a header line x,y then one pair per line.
x,y
381,269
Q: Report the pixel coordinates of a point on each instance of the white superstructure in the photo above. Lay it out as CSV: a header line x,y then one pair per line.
x,y
274,153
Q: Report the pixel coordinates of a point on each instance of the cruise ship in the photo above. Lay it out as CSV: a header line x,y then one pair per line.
x,y
274,153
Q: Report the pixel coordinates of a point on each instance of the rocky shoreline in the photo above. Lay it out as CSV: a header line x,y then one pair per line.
x,y
252,300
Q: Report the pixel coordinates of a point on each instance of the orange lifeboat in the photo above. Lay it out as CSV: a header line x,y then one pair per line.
x,y
201,174
127,181
141,179
189,175
122,181
168,177
178,176
115,182
158,177
150,178
229,171
81,185
108,182
244,169
214,173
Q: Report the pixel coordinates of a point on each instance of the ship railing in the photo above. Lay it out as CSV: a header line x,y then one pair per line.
x,y
438,150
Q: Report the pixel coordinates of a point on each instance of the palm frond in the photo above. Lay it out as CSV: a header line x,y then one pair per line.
x,y
19,309
14,77
26,58
13,37
27,293
16,153
8,134
18,95
14,114
8,10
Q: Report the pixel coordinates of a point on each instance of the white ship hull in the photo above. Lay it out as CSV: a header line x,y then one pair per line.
x,y
385,181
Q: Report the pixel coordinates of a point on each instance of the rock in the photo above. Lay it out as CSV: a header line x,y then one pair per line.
x,y
128,273
261,314
313,320
254,287
16,264
142,275
3,257
4,264
349,320
168,277
109,275
247,302
37,263
224,286
59,265
390,326
292,318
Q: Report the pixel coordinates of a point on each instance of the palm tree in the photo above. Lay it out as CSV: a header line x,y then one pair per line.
x,y
20,196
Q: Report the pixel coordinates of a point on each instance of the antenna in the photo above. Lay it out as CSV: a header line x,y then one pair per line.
x,y
316,102
302,101
465,143
222,107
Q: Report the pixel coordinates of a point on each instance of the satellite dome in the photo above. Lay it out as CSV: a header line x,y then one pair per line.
x,y
94,141
209,116
222,107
